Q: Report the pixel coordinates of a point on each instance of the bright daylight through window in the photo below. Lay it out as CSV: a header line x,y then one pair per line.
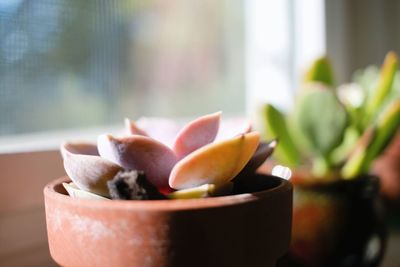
x,y
74,64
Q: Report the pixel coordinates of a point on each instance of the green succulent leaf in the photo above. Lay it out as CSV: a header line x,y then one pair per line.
x,y
320,71
387,126
384,86
342,152
276,127
203,191
355,163
373,142
322,120
320,166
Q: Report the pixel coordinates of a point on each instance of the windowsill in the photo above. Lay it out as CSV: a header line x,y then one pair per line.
x,y
49,141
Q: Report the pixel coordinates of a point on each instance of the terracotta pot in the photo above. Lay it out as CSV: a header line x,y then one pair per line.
x,y
250,229
338,224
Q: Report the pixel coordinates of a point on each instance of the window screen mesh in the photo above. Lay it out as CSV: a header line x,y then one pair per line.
x,y
74,63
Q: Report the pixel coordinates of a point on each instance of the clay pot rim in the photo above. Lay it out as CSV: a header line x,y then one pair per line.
x,y
51,191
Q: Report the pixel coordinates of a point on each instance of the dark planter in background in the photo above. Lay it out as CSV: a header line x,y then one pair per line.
x,y
340,224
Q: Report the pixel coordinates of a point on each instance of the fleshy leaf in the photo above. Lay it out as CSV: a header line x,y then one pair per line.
x,y
86,168
321,119
106,150
205,190
384,86
387,125
161,129
196,134
320,71
355,163
216,163
373,142
132,128
75,192
276,127
139,153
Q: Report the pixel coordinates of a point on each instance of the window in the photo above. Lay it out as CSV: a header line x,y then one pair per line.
x,y
72,63
282,38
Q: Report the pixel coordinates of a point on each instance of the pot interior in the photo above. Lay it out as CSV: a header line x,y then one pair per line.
x,y
251,184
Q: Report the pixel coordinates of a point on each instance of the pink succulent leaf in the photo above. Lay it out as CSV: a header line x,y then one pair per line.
x,y
84,148
105,148
196,134
76,192
86,168
132,128
233,127
140,153
161,129
215,163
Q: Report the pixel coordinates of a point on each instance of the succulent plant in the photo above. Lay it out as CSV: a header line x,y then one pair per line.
x,y
196,162
373,141
322,134
277,126
339,131
321,71
378,96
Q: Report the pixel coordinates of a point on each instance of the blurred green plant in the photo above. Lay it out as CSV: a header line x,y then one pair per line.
x,y
339,131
